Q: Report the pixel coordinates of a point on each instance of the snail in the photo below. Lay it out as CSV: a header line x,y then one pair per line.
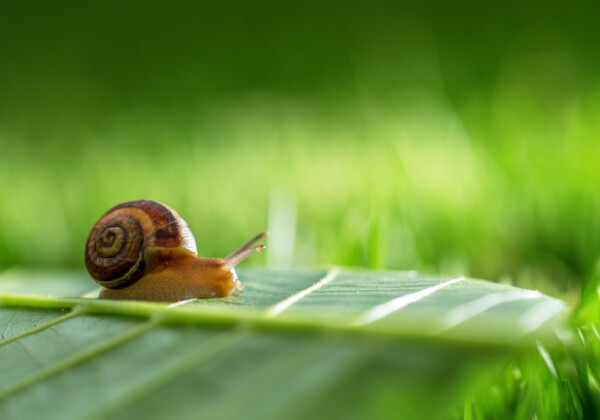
x,y
143,250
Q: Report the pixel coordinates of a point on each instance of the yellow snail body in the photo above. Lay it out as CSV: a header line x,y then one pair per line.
x,y
143,250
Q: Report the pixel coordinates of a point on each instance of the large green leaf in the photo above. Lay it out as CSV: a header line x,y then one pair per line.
x,y
291,344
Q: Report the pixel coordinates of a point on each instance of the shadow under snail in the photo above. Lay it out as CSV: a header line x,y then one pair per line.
x,y
143,250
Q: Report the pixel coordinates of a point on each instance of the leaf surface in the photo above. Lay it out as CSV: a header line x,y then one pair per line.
x,y
292,343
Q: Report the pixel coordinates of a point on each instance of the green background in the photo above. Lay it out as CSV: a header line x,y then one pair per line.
x,y
437,136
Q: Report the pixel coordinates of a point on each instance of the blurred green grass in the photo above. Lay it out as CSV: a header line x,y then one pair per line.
x,y
431,137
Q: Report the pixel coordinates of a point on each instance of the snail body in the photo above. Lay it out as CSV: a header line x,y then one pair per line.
x,y
143,250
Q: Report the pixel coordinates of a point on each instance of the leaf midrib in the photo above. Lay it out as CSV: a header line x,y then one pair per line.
x,y
258,319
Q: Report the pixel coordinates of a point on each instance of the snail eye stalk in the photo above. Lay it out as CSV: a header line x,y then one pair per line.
x,y
245,250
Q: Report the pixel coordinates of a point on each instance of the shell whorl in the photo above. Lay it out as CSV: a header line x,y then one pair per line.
x,y
115,253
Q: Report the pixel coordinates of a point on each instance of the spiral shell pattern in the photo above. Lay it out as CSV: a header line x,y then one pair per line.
x,y
115,249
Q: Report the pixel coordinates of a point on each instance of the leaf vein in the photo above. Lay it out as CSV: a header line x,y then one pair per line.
x,y
387,308
76,359
164,376
286,303
73,314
